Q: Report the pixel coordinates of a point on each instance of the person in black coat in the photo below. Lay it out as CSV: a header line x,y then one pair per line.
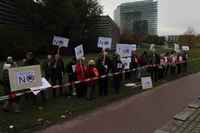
x,y
103,66
71,72
155,61
117,68
58,72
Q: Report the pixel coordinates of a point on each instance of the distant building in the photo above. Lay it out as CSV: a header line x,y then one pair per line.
x,y
104,26
140,17
172,38
9,14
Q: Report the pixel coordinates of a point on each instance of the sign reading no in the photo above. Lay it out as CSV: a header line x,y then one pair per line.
x,y
25,77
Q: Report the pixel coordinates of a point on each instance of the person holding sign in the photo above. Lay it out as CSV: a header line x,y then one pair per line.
x,y
103,67
117,68
58,72
6,84
71,72
81,76
48,67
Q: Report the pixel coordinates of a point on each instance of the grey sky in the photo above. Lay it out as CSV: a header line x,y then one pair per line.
x,y
174,15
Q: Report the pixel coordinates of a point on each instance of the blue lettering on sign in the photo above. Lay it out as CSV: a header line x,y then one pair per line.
x,y
25,77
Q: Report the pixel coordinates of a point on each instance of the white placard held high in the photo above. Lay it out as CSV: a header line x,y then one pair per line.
x,y
104,42
124,50
79,52
134,47
60,41
185,48
146,83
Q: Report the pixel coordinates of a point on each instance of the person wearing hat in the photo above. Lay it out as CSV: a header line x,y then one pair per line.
x,y
6,83
91,73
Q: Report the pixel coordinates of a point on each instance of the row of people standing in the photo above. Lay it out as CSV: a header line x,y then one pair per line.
x,y
77,70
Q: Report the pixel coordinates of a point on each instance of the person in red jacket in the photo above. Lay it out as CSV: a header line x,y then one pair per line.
x,y
81,76
91,73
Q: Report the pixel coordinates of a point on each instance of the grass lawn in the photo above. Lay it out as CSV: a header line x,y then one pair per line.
x,y
42,114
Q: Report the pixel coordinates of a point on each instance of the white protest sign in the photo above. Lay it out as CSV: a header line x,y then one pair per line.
x,y
104,42
146,83
185,48
152,47
24,77
177,48
124,50
126,62
134,47
44,86
79,52
60,41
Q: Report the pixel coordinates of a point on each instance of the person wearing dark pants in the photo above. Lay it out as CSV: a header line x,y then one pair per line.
x,y
154,61
48,74
81,76
117,68
12,101
71,71
91,73
103,67
58,73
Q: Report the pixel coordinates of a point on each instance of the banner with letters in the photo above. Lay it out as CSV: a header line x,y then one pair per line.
x,y
60,41
124,50
25,77
79,52
104,42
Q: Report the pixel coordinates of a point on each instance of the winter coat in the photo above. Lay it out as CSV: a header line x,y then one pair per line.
x,y
80,72
92,72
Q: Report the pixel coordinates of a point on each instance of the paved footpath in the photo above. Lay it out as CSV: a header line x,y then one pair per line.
x,y
143,113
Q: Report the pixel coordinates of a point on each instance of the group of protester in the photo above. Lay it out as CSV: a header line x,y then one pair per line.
x,y
148,63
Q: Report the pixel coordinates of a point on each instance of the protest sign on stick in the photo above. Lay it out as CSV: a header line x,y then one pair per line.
x,y
185,48
79,52
104,42
24,77
60,41
124,50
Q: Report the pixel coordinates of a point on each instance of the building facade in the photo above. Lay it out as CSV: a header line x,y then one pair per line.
x,y
140,17
103,26
9,15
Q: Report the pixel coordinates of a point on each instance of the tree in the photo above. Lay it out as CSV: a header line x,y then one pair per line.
x,y
63,17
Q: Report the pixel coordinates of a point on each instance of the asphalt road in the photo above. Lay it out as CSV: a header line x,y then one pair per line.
x,y
138,114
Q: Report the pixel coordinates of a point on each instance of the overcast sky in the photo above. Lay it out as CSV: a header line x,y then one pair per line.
x,y
175,16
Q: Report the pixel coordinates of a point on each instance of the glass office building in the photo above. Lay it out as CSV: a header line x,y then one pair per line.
x,y
140,17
